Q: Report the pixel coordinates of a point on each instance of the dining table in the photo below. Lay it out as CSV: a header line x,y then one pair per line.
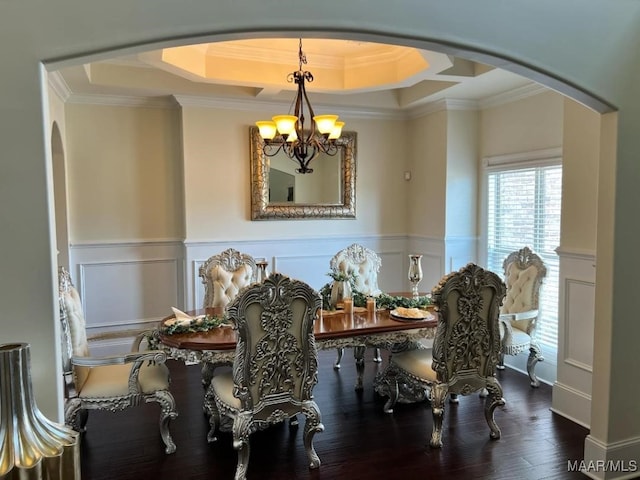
x,y
357,329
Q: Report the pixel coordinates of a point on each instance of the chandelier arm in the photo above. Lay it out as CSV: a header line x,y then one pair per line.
x,y
268,149
312,127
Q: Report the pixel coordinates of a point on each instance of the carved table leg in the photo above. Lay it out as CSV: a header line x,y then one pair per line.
x,y
358,354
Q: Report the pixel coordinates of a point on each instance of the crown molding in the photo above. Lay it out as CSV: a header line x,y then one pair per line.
x,y
59,86
122,100
254,105
513,95
444,104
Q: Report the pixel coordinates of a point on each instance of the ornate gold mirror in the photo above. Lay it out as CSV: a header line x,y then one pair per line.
x,y
279,193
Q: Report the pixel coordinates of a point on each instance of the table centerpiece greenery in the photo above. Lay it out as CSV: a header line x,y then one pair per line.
x,y
199,324
383,301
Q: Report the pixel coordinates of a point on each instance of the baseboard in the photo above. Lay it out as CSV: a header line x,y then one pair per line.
x,y
617,460
572,404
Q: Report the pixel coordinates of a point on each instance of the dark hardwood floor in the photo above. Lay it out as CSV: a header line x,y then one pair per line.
x,y
359,441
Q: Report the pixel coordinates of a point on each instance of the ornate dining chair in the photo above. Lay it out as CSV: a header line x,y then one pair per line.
x,y
224,274
108,383
465,350
363,265
275,367
524,272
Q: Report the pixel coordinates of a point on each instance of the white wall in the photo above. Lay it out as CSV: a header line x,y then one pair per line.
x,y
572,392
124,173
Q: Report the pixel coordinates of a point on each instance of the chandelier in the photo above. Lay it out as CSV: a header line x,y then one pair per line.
x,y
287,133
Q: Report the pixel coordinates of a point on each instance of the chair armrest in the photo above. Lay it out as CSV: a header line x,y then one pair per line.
x,y
528,315
156,356
140,337
506,330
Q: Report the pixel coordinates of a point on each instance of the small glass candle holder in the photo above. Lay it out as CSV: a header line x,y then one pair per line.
x,y
371,306
348,305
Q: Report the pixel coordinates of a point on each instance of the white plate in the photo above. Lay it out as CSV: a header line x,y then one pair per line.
x,y
424,314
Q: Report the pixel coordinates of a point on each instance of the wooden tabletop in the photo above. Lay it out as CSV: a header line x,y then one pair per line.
x,y
330,325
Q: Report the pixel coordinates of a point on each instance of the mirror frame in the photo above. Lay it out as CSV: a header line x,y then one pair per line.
x,y
261,209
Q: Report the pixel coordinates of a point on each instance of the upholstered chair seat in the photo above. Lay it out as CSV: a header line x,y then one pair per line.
x,y
275,366
464,355
109,383
363,265
524,272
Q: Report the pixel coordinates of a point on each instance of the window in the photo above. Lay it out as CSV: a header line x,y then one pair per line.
x,y
523,209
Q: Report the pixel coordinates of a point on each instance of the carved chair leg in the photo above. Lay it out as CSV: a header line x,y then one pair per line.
x,y
207,374
493,400
358,354
376,355
500,365
336,365
535,356
74,415
214,422
243,459
392,390
167,413
312,425
438,394
241,430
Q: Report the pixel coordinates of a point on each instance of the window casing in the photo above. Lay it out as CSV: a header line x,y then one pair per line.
x,y
523,208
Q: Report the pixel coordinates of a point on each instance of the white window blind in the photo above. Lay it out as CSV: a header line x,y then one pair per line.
x,y
523,209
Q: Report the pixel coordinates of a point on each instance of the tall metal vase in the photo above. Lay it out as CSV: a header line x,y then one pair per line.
x,y
415,273
340,289
31,446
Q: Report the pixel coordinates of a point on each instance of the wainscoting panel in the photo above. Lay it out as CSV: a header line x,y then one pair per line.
x,y
126,286
122,294
576,314
304,258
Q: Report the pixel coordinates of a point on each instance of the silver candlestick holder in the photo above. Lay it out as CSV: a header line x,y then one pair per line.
x,y
415,273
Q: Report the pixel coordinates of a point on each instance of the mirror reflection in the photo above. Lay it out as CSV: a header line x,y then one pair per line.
x,y
323,186
279,192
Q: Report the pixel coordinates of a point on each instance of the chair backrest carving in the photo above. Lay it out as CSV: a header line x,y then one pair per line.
x,y
224,274
275,367
467,342
361,262
524,272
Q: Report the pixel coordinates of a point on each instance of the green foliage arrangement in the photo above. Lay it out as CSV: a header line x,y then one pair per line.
x,y
384,300
202,324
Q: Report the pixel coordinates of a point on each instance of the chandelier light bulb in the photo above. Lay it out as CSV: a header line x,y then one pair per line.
x,y
325,123
267,129
336,131
285,123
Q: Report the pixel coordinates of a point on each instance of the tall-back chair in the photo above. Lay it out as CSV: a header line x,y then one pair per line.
x,y
363,264
224,274
465,350
275,367
524,272
108,383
